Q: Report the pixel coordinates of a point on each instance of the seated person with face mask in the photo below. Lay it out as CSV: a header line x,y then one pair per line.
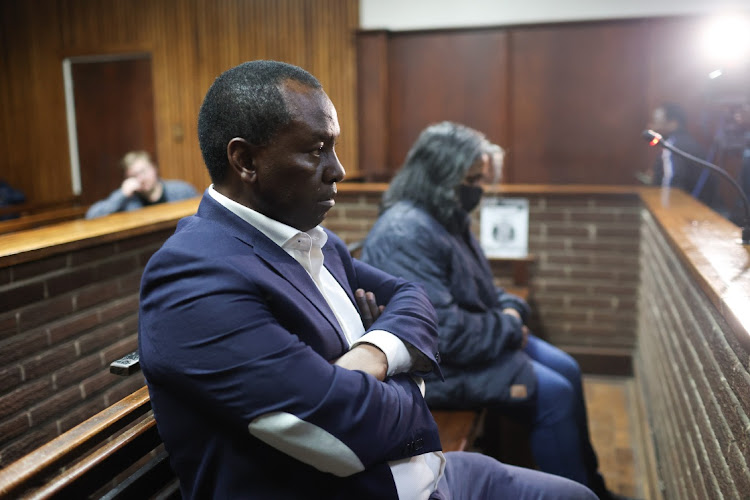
x,y
489,359
142,187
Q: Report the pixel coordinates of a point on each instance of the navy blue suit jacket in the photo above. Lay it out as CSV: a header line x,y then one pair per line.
x,y
232,328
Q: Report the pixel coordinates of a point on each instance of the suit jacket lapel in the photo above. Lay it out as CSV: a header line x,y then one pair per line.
x,y
274,256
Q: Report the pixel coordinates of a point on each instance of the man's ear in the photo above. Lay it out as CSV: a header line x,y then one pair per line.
x,y
240,155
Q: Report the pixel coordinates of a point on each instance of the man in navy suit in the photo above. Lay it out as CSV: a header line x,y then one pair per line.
x,y
272,370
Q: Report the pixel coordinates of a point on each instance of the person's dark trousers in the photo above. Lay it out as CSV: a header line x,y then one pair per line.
x,y
472,476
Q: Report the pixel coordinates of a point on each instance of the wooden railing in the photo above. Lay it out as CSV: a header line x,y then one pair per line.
x,y
115,454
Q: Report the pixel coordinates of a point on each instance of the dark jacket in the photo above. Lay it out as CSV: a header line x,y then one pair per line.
x,y
686,173
232,328
479,345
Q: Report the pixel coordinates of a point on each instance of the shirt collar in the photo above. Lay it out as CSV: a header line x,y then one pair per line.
x,y
276,231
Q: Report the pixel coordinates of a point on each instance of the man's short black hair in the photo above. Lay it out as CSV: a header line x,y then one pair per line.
x,y
675,112
246,102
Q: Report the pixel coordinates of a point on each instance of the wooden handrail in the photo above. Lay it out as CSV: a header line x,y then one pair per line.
x,y
41,219
32,469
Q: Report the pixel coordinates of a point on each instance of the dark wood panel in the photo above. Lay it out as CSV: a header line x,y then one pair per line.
x,y
372,99
436,76
579,104
114,108
191,42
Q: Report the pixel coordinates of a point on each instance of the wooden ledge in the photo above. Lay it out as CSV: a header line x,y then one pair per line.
x,y
33,244
709,247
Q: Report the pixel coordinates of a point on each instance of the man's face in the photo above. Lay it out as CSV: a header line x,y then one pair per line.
x,y
298,171
660,124
145,173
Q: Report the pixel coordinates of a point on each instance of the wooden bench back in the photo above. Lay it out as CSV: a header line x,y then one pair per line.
x,y
105,454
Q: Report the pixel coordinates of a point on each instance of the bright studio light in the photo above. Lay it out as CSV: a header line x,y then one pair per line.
x,y
727,40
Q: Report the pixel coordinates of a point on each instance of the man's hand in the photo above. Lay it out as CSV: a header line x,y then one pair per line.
x,y
130,186
366,358
368,307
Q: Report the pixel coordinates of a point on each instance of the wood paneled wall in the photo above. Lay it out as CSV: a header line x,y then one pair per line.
x,y
568,100
191,42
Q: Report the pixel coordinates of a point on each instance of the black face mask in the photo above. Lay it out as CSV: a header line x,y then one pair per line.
x,y
469,196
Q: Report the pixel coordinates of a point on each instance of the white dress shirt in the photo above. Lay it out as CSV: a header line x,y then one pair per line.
x,y
415,477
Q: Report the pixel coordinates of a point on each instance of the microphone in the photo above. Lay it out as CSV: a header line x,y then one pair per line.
x,y
655,139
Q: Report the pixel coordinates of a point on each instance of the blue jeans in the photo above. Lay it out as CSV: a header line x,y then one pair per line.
x,y
560,435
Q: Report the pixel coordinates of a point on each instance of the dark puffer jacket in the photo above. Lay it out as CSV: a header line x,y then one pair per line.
x,y
479,345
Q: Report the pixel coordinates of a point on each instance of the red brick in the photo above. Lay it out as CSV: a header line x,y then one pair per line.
x,y
628,246
102,336
13,427
44,312
130,324
8,325
579,274
77,371
15,296
55,406
119,349
10,376
128,386
86,256
97,382
130,283
26,444
564,287
72,326
567,231
347,225
138,242
39,267
49,361
592,302
550,217
96,294
114,310
24,396
76,278
117,267
143,257
625,232
358,212
81,413
578,259
22,345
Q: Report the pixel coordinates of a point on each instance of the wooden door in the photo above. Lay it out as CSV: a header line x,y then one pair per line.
x,y
114,114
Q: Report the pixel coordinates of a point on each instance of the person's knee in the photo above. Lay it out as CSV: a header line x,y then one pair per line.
x,y
556,398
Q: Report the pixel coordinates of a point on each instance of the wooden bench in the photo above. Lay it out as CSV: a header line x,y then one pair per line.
x,y
117,453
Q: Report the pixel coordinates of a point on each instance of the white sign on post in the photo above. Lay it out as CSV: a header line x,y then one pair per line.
x,y
504,227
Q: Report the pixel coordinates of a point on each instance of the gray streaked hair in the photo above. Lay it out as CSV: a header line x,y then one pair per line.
x,y
436,163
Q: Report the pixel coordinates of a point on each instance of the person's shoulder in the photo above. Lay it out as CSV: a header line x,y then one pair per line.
x,y
176,187
406,219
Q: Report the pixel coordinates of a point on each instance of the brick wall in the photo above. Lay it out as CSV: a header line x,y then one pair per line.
x,y
585,276
693,374
63,319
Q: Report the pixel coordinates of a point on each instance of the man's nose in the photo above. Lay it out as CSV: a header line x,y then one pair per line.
x,y
334,171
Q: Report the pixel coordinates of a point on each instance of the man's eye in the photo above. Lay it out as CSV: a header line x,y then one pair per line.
x,y
319,150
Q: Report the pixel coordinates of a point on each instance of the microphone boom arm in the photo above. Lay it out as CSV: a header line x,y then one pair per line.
x,y
656,138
